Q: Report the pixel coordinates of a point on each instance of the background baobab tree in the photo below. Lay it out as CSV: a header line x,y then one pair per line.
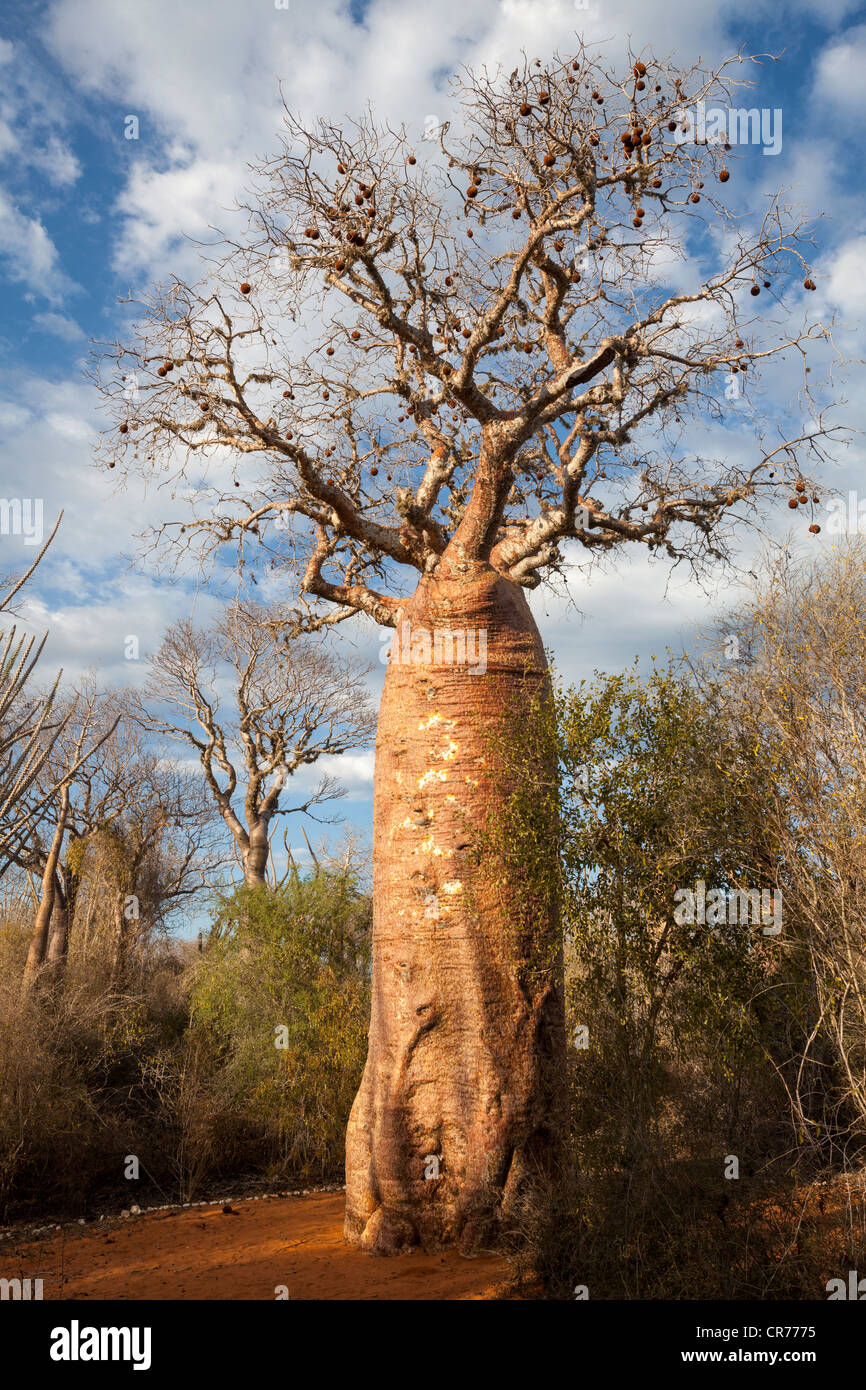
x,y
128,837
416,380
290,702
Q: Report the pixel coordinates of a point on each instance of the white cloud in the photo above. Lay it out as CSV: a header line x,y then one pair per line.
x,y
31,257
60,325
33,113
845,288
839,73
161,208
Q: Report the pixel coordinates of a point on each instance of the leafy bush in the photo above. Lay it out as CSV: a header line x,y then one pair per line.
x,y
181,1068
282,997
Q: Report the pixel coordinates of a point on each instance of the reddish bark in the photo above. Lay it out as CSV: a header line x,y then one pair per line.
x,y
465,1054
42,921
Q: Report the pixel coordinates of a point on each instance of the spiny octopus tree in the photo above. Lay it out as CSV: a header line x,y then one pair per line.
x,y
420,382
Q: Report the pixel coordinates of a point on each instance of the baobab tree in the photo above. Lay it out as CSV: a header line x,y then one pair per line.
x,y
289,704
127,827
422,381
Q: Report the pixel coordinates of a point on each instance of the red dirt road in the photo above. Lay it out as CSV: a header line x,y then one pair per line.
x,y
205,1253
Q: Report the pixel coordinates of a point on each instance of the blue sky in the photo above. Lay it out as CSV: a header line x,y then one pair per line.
x,y
86,215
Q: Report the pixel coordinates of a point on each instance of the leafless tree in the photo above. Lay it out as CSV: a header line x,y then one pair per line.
x,y
797,697
290,703
129,830
449,365
29,727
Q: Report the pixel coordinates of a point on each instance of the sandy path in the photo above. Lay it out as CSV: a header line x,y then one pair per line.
x,y
206,1253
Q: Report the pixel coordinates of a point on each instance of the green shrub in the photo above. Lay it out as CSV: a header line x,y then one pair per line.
x,y
282,998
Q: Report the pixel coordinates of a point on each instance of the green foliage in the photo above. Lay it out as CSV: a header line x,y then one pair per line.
x,y
181,1067
649,808
282,995
669,1069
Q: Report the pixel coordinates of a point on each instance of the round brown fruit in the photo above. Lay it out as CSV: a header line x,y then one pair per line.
x,y
724,175
525,108
341,168
640,86
412,159
246,287
808,284
543,98
657,183
549,161
640,69
111,463
793,504
814,528
754,290
695,198
124,429
339,266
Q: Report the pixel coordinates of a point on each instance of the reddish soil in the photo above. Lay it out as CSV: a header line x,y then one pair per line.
x,y
207,1253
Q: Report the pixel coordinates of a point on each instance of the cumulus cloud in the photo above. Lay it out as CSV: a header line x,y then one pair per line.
x,y
33,117
846,284
165,212
839,76
60,325
30,256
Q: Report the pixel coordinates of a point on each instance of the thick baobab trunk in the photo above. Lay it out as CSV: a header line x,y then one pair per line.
x,y
67,883
458,1110
57,945
42,922
121,944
